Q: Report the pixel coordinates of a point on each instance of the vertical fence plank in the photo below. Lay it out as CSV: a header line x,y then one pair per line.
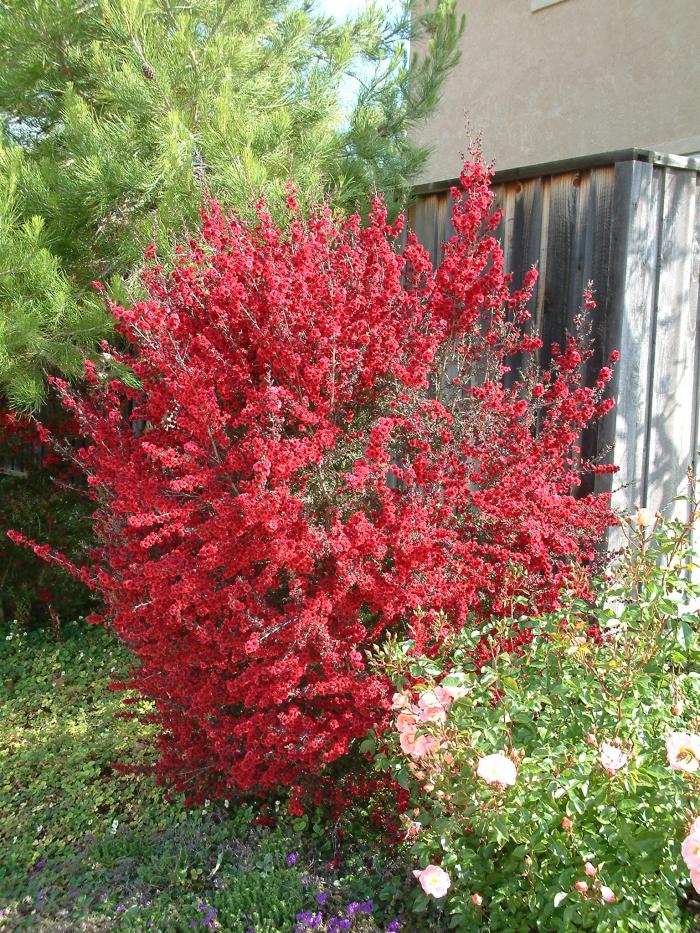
x,y
629,322
595,265
670,423
525,250
561,239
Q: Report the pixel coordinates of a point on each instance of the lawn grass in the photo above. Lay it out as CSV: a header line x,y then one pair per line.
x,y
87,848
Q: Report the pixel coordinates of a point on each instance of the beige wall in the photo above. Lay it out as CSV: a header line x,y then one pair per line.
x,y
573,78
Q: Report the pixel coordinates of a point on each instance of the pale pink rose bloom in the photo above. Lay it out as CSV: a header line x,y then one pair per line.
x,y
424,745
427,699
408,741
612,758
455,693
581,886
566,824
477,899
690,850
497,769
695,879
590,870
695,828
443,695
446,694
399,700
406,722
434,880
433,714
683,751
643,518
607,894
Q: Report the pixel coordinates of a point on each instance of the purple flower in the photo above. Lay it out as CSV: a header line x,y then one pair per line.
x,y
353,907
201,906
315,920
209,917
321,898
393,927
89,837
120,908
39,865
103,896
42,894
304,916
366,907
337,924
292,859
73,893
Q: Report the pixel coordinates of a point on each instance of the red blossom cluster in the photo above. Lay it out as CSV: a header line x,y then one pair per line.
x,y
321,446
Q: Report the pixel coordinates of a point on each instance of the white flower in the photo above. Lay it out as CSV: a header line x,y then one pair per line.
x,y
643,518
612,758
497,769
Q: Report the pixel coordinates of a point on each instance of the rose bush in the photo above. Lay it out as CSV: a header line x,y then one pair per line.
x,y
559,789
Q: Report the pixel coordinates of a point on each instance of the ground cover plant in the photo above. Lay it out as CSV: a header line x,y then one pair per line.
x,y
556,787
251,547
87,848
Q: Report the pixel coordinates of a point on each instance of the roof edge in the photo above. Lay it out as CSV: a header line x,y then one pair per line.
x,y
576,163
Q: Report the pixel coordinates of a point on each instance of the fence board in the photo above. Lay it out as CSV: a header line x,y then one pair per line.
x,y
671,421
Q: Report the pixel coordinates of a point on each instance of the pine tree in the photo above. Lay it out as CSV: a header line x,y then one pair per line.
x,y
120,114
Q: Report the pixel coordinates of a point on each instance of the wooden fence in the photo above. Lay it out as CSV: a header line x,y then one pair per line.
x,y
630,222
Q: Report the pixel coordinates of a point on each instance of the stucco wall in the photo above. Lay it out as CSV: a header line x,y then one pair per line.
x,y
573,78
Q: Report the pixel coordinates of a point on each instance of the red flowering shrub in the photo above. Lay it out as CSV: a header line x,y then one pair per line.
x,y
326,446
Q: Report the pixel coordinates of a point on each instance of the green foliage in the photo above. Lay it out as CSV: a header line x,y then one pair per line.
x,y
118,855
553,708
120,114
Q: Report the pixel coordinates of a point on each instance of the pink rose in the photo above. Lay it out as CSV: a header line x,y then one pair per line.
x,y
683,751
434,880
424,745
443,696
695,879
566,824
607,894
454,693
399,700
690,850
427,699
477,899
612,758
590,870
497,769
433,714
408,742
581,886
406,722
643,518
